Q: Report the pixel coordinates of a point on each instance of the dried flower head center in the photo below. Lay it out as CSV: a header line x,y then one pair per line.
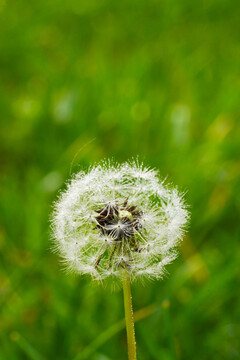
x,y
120,223
125,214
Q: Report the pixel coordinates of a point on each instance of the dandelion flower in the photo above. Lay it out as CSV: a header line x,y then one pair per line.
x,y
119,221
118,217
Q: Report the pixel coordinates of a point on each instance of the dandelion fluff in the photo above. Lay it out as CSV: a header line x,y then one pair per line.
x,y
116,217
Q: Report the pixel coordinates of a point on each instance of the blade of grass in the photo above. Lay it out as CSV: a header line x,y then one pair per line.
x,y
112,330
168,327
26,347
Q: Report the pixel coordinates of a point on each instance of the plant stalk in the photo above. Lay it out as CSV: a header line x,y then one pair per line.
x,y
129,316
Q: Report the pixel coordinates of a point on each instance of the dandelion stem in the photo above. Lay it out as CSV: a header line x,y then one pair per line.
x,y
129,316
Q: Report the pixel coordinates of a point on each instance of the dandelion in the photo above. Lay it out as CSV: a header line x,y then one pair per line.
x,y
119,222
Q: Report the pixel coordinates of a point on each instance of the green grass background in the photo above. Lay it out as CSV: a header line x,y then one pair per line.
x,y
85,80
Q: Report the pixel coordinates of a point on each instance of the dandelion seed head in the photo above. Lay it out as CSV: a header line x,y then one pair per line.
x,y
116,217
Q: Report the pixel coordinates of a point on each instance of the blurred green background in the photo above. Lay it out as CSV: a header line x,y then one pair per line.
x,y
86,80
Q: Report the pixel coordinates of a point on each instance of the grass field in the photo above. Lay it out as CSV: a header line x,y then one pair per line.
x,y
87,80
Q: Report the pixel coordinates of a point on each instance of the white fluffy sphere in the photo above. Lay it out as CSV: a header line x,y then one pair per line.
x,y
116,217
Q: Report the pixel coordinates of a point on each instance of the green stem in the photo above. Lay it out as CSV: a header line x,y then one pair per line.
x,y
129,316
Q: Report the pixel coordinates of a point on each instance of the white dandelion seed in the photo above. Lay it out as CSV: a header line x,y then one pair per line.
x,y
118,217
